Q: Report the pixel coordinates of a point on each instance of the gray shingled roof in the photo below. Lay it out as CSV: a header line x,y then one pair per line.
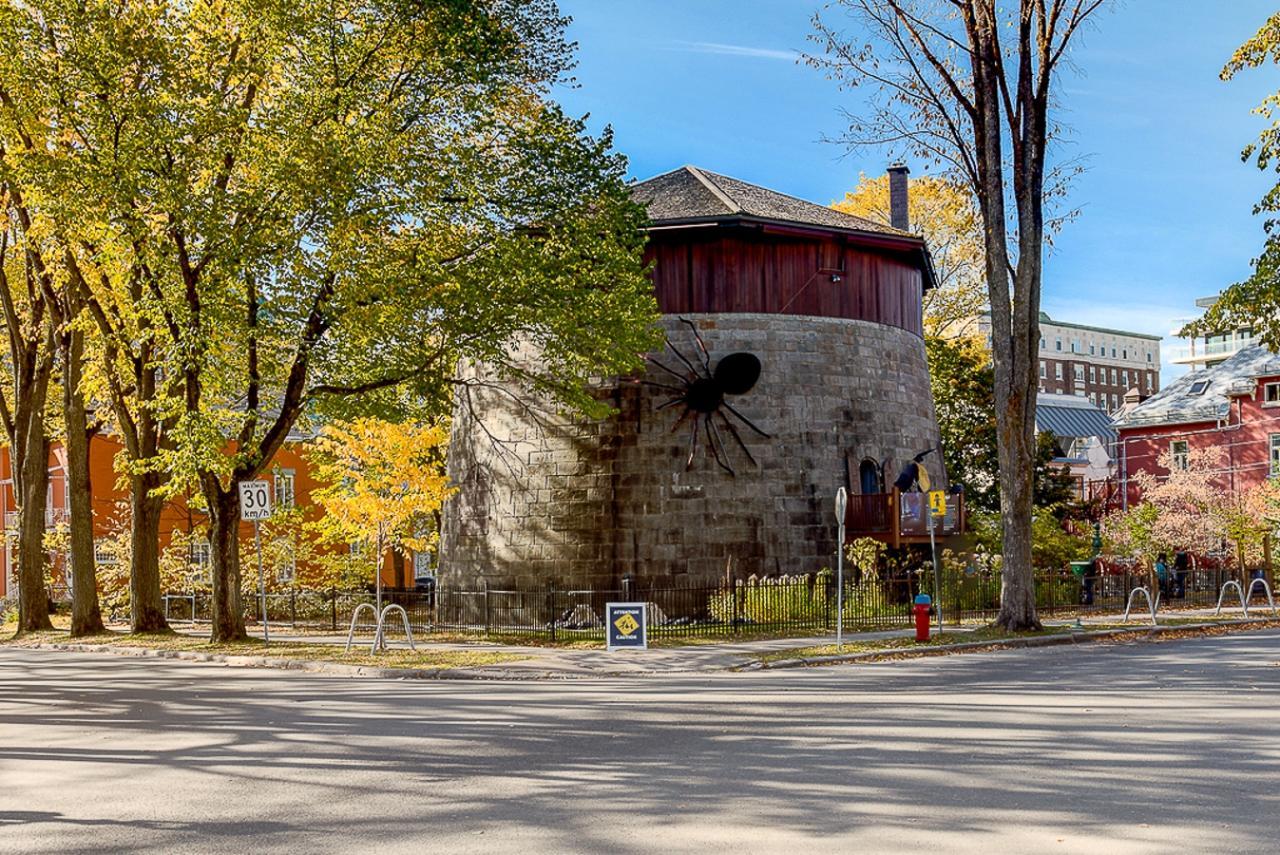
x,y
1176,404
691,194
1070,417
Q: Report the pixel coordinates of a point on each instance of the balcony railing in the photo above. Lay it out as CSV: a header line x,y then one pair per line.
x,y
52,517
897,517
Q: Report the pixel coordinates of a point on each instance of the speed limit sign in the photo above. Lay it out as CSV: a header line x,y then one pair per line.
x,y
255,500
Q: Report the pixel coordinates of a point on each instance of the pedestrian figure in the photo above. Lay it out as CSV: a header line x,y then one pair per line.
x,y
1090,579
1162,573
1181,566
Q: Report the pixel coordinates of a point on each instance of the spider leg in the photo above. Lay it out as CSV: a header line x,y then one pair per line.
x,y
717,447
746,421
666,386
733,431
672,402
693,444
670,371
702,346
683,416
682,358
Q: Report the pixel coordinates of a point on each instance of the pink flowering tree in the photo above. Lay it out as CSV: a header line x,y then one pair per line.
x,y
1190,509
1185,509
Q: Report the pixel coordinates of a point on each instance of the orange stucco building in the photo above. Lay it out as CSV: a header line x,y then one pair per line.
x,y
291,482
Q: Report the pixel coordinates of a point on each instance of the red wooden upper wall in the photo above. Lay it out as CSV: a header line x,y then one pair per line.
x,y
735,270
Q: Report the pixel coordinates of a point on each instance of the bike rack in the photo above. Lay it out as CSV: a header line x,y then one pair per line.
x,y
379,637
1152,605
1266,590
1232,583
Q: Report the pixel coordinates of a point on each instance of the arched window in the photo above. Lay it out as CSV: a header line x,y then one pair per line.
x,y
870,477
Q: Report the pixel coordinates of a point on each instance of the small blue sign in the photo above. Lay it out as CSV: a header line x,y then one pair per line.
x,y
626,626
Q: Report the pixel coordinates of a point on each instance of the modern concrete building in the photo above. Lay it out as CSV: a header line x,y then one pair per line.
x,y
1206,351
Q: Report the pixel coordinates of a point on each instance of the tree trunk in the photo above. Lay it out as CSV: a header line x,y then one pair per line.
x,y
145,596
33,598
86,614
224,548
1017,578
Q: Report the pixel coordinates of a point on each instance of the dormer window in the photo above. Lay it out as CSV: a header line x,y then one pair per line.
x,y
1198,387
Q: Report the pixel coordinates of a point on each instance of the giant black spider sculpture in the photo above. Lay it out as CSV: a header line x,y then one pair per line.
x,y
702,390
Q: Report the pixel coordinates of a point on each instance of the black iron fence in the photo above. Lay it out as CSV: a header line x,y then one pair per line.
x,y
793,605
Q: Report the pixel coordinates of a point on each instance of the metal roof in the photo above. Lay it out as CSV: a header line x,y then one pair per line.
x,y
1179,403
1067,416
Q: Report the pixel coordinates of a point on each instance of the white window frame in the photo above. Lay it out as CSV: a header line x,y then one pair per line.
x,y
1271,394
422,565
1179,459
285,487
1044,371
1275,455
1057,371
200,559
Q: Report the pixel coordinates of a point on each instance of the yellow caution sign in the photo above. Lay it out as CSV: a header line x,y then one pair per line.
x,y
938,503
626,624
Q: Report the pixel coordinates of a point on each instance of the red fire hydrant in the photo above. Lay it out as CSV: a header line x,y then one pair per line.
x,y
923,607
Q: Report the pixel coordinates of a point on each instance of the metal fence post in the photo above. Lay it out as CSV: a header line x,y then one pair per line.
x,y
333,609
485,583
551,608
737,611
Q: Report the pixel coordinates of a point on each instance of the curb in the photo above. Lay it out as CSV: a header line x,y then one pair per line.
x,y
1140,632
495,673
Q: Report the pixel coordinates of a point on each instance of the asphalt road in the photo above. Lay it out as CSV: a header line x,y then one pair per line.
x,y
1142,748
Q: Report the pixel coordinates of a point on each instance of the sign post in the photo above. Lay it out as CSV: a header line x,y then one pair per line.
x,y
255,505
842,503
937,508
626,626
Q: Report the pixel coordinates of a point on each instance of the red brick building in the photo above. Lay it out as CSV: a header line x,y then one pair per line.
x,y
1233,406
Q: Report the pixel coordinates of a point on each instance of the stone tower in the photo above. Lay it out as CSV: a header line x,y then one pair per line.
x,y
829,306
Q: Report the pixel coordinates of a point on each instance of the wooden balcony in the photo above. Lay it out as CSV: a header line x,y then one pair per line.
x,y
901,518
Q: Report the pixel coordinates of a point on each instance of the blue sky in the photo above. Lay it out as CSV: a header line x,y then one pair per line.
x,y
1166,205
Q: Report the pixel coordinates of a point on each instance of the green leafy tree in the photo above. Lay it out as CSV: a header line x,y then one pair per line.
x,y
963,382
287,209
24,285
1255,302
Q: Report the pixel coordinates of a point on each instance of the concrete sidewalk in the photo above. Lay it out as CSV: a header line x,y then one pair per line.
x,y
571,662
549,662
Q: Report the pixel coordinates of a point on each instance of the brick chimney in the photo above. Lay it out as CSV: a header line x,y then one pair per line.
x,y
898,217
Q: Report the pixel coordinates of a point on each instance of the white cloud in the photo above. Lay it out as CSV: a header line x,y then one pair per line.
x,y
737,50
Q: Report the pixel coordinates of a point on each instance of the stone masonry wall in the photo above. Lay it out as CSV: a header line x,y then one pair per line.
x,y
542,499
